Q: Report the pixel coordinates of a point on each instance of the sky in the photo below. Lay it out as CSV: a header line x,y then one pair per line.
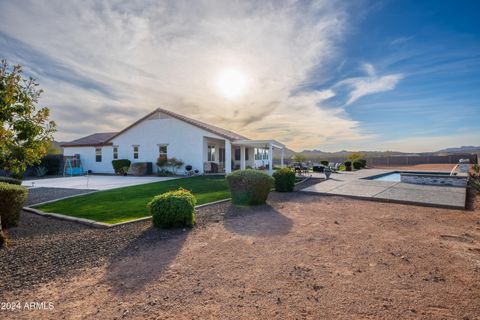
x,y
330,75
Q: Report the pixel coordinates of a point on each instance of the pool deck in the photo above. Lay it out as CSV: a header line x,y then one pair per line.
x,y
352,184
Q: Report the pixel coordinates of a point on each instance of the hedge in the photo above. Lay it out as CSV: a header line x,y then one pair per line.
x,y
249,187
10,180
12,198
173,209
284,180
120,164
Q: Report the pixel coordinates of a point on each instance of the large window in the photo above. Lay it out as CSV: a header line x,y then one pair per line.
x,y
261,154
238,154
115,153
162,152
98,154
211,153
135,152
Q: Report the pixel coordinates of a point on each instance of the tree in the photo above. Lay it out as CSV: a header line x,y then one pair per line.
x,y
354,156
25,130
298,157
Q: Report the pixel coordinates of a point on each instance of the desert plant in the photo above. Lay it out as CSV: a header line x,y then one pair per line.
x,y
120,165
249,187
348,165
12,198
363,162
173,209
284,180
357,165
354,156
40,171
10,180
324,162
174,164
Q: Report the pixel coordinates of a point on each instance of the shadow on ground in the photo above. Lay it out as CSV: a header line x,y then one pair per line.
x,y
258,221
144,260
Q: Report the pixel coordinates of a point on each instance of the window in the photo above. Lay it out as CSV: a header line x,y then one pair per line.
x,y
211,153
98,154
115,153
261,154
221,154
135,152
238,154
162,152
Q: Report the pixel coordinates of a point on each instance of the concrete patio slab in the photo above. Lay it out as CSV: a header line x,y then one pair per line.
x,y
93,182
353,184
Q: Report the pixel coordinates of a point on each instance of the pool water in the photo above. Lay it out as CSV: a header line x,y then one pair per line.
x,y
395,176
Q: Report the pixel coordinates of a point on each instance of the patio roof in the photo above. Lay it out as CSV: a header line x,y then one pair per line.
x,y
258,143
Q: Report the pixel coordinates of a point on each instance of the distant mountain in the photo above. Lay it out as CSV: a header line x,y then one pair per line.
x,y
462,149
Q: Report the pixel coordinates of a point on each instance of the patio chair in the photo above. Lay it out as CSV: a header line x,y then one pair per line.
x,y
207,167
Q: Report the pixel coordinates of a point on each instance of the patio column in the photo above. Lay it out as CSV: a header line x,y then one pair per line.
x,y
242,158
228,157
270,159
281,157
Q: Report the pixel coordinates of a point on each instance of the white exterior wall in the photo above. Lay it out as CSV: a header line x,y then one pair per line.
x,y
185,142
87,156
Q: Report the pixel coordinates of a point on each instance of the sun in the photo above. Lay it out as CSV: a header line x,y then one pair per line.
x,y
232,83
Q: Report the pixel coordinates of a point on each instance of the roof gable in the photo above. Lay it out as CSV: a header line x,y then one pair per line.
x,y
160,113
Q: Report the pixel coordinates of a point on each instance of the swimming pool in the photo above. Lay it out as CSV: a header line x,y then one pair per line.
x,y
395,176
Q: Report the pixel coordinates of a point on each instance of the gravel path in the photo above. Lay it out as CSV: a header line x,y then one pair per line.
x,y
38,195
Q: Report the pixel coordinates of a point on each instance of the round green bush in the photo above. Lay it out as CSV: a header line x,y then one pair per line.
x,y
10,180
357,165
173,209
249,187
120,166
363,163
12,198
284,180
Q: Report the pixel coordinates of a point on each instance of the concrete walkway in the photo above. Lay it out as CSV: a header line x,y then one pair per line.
x,y
352,184
92,182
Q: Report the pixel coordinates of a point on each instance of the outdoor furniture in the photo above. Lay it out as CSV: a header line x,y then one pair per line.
x,y
188,170
207,167
318,168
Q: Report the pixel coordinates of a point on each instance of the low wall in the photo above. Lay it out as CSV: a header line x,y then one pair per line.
x,y
434,179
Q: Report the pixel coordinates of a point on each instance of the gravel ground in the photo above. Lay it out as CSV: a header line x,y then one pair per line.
x,y
38,195
301,256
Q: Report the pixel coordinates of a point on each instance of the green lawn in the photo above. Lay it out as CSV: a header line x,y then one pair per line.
x,y
123,204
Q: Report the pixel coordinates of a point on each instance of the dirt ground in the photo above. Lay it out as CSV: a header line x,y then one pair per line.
x,y
300,257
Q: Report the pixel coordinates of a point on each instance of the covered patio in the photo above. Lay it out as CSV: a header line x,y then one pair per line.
x,y
225,156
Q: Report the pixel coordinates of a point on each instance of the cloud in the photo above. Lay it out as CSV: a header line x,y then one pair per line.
x,y
105,64
363,86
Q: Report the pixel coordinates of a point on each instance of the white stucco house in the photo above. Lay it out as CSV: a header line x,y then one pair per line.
x,y
205,147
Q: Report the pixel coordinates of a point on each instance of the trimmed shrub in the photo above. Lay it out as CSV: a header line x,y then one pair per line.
x,y
12,198
120,165
173,209
357,165
284,180
249,187
363,163
324,162
10,180
348,165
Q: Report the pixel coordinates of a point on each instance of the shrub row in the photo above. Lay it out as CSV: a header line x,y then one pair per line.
x,y
12,198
